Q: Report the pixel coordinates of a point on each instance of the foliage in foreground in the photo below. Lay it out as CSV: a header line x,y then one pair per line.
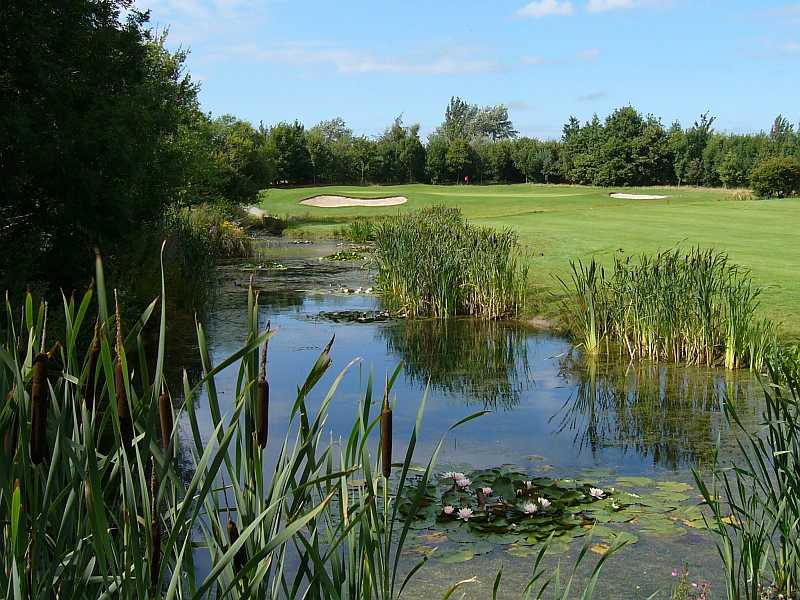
x,y
756,504
433,263
693,307
103,498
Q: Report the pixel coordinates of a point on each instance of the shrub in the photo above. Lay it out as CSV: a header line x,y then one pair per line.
x,y
776,177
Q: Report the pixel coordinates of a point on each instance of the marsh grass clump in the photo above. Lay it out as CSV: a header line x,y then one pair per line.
x,y
361,230
755,506
691,307
433,263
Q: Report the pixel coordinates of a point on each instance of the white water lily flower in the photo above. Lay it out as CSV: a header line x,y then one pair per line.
x,y
448,510
462,482
447,475
596,493
487,491
529,508
544,502
528,485
465,513
457,475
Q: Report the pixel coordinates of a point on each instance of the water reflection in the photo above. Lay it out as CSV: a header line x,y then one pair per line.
x,y
669,413
481,362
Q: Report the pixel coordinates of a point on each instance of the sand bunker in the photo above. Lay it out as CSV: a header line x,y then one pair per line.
x,y
337,201
637,196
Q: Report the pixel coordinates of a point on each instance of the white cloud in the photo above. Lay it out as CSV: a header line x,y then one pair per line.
x,y
540,60
345,60
790,48
588,54
544,8
596,6
592,96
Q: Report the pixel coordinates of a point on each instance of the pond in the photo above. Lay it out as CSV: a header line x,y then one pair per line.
x,y
640,427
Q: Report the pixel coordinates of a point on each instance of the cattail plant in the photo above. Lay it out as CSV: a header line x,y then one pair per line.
x,y
155,530
240,559
386,435
10,434
94,353
263,397
123,409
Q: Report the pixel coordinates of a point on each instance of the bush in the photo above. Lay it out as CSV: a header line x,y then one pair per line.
x,y
776,177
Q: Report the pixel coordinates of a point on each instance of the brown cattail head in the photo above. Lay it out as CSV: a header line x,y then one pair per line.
x,y
240,559
165,416
40,401
123,410
386,436
262,400
94,353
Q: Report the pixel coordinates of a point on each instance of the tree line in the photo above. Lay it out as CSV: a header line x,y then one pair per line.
x,y
101,131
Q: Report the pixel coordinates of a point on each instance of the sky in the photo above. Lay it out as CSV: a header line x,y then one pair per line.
x,y
369,61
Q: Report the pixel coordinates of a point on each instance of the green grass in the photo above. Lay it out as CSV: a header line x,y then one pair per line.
x,y
558,223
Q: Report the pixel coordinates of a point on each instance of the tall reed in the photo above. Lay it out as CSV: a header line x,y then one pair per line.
x,y
755,506
693,307
433,263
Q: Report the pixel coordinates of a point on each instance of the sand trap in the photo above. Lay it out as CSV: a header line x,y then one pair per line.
x,y
637,196
337,201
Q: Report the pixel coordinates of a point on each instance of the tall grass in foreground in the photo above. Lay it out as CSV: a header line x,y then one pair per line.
x,y
432,262
693,307
755,506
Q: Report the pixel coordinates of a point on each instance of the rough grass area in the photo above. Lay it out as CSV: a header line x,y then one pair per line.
x,y
559,223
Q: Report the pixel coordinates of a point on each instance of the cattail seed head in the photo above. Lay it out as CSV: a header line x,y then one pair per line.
x,y
386,437
262,398
40,400
165,416
240,559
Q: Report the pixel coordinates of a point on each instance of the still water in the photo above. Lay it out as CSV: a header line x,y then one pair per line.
x,y
551,412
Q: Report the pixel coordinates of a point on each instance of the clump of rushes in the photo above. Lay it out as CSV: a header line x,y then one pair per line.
x,y
386,436
263,397
165,417
123,410
434,263
40,400
94,353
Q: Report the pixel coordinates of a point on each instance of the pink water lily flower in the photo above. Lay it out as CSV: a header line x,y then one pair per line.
x,y
596,493
465,513
487,491
544,502
529,508
448,510
462,482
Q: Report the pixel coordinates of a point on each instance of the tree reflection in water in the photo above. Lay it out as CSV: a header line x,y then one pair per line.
x,y
669,412
482,362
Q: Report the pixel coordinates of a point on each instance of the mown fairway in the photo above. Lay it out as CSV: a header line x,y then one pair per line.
x,y
559,223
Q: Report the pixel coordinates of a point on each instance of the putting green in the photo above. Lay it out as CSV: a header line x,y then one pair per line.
x,y
559,223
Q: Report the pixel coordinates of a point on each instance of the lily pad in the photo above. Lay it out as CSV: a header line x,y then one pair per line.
x,y
457,556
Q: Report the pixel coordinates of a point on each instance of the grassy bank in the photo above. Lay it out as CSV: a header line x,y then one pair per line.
x,y
560,223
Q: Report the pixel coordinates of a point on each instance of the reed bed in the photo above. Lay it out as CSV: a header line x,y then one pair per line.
x,y
433,263
755,505
692,307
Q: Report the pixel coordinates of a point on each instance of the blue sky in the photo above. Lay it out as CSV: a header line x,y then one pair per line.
x,y
368,61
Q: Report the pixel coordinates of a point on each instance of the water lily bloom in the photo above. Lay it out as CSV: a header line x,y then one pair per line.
x,y
596,493
447,475
519,492
528,485
448,510
465,513
462,482
529,508
457,476
544,502
487,491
